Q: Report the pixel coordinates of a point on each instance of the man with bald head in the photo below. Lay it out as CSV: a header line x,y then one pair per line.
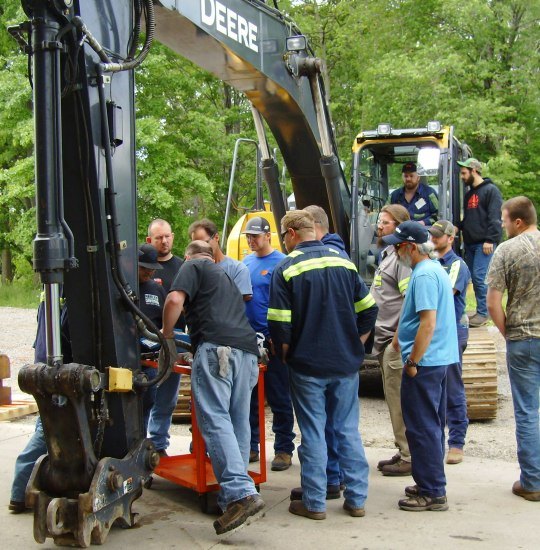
x,y
224,372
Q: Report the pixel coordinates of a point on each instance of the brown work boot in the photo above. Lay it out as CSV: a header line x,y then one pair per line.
x,y
253,456
454,456
282,461
424,504
17,507
237,512
382,463
399,468
533,496
352,511
332,492
297,508
478,320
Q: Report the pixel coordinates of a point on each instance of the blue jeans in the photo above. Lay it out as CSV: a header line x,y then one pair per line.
x,y
523,360
222,408
166,397
149,397
276,387
312,397
456,402
423,403
24,464
478,264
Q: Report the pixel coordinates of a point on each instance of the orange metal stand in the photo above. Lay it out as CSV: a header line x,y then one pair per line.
x,y
194,470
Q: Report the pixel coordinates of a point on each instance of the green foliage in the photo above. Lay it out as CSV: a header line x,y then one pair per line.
x,y
472,64
21,293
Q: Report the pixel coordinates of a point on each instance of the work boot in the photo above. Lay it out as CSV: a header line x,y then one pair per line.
x,y
17,507
282,461
332,492
422,503
478,320
253,456
399,468
454,456
237,512
382,463
297,508
411,491
533,496
352,511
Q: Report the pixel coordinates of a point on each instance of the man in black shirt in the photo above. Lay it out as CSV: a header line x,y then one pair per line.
x,y
223,374
151,301
161,237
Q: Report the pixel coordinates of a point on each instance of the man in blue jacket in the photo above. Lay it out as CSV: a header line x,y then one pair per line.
x,y
319,315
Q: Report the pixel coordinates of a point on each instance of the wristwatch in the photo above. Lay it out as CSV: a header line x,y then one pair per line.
x,y
410,363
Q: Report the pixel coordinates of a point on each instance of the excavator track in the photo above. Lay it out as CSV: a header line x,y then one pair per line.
x,y
480,375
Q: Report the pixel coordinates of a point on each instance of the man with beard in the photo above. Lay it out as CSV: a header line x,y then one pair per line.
x,y
420,200
516,269
161,237
261,264
428,340
388,288
481,230
442,236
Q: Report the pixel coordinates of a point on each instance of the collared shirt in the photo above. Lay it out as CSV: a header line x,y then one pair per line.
x,y
388,288
515,267
424,206
459,277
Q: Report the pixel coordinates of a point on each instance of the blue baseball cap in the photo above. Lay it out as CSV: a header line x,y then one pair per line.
x,y
408,232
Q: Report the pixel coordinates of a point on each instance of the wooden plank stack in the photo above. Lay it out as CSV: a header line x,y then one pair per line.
x,y
11,409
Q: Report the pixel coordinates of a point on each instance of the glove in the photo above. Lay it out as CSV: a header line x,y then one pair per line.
x,y
173,353
263,352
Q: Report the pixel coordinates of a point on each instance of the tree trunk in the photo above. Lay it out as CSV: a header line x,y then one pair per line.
x,y
7,266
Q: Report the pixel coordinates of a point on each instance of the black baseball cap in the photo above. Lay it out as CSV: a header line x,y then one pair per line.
x,y
257,226
408,232
148,257
409,167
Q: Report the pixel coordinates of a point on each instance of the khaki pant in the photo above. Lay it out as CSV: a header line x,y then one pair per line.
x,y
392,369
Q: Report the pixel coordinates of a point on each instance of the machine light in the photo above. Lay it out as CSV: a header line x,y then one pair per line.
x,y
384,129
296,43
434,126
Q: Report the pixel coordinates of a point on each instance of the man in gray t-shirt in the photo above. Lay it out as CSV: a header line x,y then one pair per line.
x,y
515,268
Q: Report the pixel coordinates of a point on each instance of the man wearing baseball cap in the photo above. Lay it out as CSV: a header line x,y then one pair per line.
x,y
481,229
420,200
261,264
428,341
442,236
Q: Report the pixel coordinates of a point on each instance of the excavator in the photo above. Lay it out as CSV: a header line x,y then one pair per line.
x,y
83,58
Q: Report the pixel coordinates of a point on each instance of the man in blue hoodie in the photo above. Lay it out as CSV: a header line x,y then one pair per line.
x,y
481,229
319,315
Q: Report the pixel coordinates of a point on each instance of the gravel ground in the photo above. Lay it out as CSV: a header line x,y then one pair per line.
x,y
488,439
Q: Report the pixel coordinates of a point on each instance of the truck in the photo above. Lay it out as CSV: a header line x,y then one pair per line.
x,y
83,57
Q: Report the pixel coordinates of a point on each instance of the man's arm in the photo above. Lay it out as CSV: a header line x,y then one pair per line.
x,y
280,315
433,203
428,319
174,304
493,232
495,308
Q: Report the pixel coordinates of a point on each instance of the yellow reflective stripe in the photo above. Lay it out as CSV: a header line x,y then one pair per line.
x,y
295,253
377,281
280,315
316,263
403,284
454,272
365,303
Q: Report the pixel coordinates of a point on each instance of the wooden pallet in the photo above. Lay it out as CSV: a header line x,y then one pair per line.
x,y
182,412
17,409
480,375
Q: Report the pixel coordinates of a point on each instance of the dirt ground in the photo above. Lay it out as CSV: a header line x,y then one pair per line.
x,y
493,439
